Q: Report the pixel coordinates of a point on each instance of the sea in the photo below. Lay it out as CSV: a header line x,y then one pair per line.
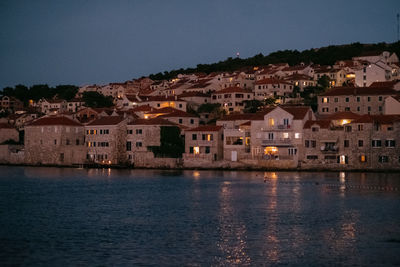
x,y
120,217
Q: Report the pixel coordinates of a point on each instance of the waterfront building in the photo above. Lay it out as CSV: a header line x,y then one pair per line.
x,y
106,140
54,140
8,132
203,144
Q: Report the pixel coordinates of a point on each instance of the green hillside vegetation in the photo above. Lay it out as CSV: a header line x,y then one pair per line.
x,y
323,56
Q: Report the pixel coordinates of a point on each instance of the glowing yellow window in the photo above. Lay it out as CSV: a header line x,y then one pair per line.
x,y
196,150
271,122
285,135
363,158
344,122
325,100
272,150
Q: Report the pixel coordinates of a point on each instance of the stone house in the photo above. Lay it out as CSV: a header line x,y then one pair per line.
x,y
232,98
106,140
11,103
276,139
182,118
142,134
271,87
360,100
52,106
363,142
203,144
54,140
391,105
163,101
8,132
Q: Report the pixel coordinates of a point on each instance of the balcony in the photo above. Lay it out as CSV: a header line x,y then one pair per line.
x,y
281,127
277,142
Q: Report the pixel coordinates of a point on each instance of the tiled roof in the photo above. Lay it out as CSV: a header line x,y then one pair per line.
x,y
382,119
233,89
359,91
154,121
165,110
108,120
160,98
142,108
6,126
178,113
295,68
245,116
297,76
272,81
343,115
205,128
54,120
321,123
192,94
388,84
298,112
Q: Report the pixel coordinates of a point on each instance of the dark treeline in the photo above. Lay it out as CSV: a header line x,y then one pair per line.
x,y
36,92
323,56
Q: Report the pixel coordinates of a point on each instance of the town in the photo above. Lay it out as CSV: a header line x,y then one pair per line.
x,y
254,117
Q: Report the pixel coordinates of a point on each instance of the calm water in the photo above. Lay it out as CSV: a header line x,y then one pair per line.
x,y
70,217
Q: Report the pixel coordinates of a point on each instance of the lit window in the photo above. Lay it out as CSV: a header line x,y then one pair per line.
x,y
285,135
297,135
363,158
271,122
325,100
196,150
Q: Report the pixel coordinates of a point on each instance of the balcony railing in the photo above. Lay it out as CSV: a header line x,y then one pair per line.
x,y
284,141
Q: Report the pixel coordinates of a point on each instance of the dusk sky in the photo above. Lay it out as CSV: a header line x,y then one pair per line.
x,y
86,42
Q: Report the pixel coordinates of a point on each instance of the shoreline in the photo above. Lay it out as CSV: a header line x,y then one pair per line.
x,y
250,169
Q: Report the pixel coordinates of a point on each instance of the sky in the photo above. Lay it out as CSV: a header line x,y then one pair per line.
x,y
96,42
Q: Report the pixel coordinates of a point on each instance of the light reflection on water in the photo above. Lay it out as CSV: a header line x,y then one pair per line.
x,y
65,216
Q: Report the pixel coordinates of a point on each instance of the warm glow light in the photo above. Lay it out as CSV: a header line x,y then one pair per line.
x,y
196,150
271,122
285,135
342,161
196,174
344,121
297,135
362,158
270,150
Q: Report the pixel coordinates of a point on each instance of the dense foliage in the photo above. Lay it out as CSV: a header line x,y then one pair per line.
x,y
97,100
323,56
172,143
38,91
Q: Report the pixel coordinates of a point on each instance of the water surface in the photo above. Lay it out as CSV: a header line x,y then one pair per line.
x,y
70,217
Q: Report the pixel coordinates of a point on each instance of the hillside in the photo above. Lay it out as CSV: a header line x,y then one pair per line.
x,y
323,56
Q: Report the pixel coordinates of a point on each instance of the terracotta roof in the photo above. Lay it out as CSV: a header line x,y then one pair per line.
x,y
160,98
294,68
298,112
6,126
205,128
382,119
272,81
154,121
192,94
343,115
245,116
54,120
388,84
178,113
321,123
165,110
247,123
233,89
142,108
108,120
359,91
297,76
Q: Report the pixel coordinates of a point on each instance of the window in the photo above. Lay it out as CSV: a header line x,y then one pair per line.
x,y
271,122
129,131
297,135
286,122
55,141
312,157
358,109
292,151
207,150
360,127
347,99
315,129
358,99
138,144
369,108
347,128
360,143
128,146
194,136
325,100
191,121
138,131
271,136
380,108
336,99
369,99
77,142
383,159
67,142
347,109
307,143
313,143
191,150
180,105
196,150
346,143
363,158
390,143
376,143
380,98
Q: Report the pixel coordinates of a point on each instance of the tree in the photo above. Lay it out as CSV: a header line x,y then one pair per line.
x,y
252,106
270,101
97,100
323,82
171,143
66,92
